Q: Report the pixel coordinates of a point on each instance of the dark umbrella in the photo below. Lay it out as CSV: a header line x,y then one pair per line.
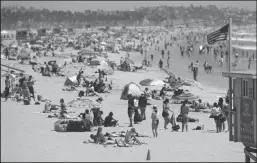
x,y
145,82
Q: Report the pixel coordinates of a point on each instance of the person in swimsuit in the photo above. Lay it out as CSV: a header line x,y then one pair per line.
x,y
7,87
31,87
165,113
155,121
184,113
63,113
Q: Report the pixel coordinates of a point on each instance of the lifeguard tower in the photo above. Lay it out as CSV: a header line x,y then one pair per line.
x,y
243,113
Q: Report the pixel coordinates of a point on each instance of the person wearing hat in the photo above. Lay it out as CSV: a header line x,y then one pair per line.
x,y
142,102
184,113
109,121
155,121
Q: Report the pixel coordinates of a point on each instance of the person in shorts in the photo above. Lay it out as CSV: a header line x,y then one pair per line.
x,y
184,113
131,109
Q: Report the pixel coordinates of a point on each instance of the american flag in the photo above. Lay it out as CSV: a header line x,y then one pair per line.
x,y
219,35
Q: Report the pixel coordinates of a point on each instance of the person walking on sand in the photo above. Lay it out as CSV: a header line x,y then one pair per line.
x,y
142,105
31,87
7,87
165,113
249,63
162,53
155,121
131,109
184,110
152,55
168,62
160,64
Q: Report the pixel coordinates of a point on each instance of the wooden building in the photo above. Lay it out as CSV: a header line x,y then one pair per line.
x,y
243,127
41,32
23,35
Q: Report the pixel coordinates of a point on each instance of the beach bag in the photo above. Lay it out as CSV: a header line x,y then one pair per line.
x,y
165,114
137,117
175,127
179,118
26,102
222,118
81,93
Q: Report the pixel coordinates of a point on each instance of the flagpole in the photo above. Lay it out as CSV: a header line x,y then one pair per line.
x,y
230,81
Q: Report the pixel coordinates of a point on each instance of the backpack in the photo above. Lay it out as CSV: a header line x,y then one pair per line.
x,y
26,102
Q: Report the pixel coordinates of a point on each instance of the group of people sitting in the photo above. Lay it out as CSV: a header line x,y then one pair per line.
x,y
48,69
129,140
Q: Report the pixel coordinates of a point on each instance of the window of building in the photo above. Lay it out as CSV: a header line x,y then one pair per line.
x,y
245,88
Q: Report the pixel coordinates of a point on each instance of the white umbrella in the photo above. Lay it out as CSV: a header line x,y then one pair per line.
x,y
156,83
103,43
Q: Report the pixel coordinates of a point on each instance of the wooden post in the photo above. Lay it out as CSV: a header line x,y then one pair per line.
x,y
230,82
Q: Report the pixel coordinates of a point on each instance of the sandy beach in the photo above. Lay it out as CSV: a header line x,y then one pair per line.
x,y
28,135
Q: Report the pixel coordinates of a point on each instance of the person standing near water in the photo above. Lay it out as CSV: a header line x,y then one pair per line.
x,y
249,63
155,121
184,113
168,62
160,64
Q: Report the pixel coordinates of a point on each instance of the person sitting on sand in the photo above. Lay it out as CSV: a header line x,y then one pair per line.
x,y
47,107
79,76
87,120
63,112
99,137
130,137
110,121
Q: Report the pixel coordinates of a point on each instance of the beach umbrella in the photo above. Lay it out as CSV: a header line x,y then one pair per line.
x,y
83,103
156,83
145,82
23,56
151,82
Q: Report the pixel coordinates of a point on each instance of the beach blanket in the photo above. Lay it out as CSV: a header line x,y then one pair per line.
x,y
122,134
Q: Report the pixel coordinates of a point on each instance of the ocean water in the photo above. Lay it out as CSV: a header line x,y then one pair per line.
x,y
244,40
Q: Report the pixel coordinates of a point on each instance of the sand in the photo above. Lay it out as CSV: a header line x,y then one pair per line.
x,y
28,135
